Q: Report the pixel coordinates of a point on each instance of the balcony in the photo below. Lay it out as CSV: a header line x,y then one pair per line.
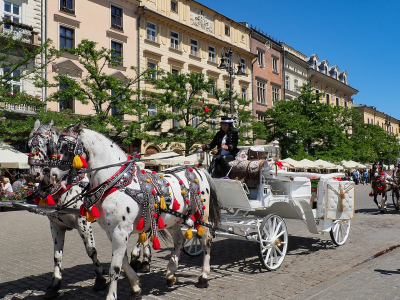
x,y
19,31
18,108
67,10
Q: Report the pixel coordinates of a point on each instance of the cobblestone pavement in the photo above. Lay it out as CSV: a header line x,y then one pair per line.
x,y
26,260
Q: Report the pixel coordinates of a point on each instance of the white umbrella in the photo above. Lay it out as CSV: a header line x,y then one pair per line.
x,y
156,158
179,160
306,164
11,158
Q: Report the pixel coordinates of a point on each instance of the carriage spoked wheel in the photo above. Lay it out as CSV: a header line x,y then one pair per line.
x,y
340,232
273,241
193,247
395,199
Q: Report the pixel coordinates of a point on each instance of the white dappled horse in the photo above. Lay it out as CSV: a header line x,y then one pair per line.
x,y
120,214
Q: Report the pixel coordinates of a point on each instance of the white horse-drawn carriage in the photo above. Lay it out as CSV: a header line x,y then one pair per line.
x,y
257,213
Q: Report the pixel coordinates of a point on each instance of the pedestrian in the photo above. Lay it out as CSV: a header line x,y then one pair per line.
x,y
364,177
355,176
6,187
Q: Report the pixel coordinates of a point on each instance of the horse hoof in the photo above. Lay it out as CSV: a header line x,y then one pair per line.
x,y
135,265
382,211
171,281
135,296
144,267
202,283
52,290
100,283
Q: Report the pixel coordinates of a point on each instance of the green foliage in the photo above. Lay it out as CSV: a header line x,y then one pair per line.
x,y
181,100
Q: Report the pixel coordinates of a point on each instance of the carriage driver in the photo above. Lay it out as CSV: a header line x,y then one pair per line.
x,y
226,140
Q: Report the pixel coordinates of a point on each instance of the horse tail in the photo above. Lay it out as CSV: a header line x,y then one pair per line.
x,y
165,236
214,206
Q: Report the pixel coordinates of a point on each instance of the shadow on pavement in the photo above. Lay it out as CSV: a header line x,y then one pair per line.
x,y
387,272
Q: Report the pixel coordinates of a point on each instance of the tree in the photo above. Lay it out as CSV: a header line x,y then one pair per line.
x,y
111,97
180,103
308,128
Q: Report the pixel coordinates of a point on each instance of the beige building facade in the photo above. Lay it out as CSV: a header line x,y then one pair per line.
x,y
186,36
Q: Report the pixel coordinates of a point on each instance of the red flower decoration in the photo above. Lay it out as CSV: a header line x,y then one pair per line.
x,y
206,109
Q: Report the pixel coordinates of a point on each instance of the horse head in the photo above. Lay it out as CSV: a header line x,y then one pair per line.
x,y
377,168
42,142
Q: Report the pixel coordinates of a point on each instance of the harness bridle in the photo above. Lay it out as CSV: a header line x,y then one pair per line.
x,y
35,149
74,147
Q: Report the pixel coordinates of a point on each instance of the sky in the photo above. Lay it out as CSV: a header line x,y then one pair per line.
x,y
361,37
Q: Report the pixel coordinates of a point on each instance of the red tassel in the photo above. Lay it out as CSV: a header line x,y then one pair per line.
x,y
193,219
156,243
176,205
197,215
50,200
95,211
82,210
161,224
371,195
37,200
197,226
140,225
84,162
379,188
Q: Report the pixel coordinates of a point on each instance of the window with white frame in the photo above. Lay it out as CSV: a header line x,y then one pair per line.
x,y
275,65
287,82
151,32
12,12
261,92
260,58
213,87
175,111
244,93
260,117
244,125
211,54
175,40
243,64
67,6
275,94
194,47
195,121
213,121
14,83
296,84
116,18
152,65
152,110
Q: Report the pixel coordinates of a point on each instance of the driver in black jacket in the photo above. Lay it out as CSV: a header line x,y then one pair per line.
x,y
226,140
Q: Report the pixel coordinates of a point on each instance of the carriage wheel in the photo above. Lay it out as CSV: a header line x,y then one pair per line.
x,y
273,242
395,200
340,232
193,247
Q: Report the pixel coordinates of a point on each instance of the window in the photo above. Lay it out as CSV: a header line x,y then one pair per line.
x,y
260,92
328,99
227,85
152,110
66,103
175,71
337,102
260,117
151,32
115,110
345,103
12,12
260,58
287,82
175,123
174,40
227,30
212,88
243,65
213,121
317,92
116,18
174,6
152,65
14,84
211,54
67,38
67,6
244,93
195,121
194,47
117,51
275,65
275,94
296,84
245,131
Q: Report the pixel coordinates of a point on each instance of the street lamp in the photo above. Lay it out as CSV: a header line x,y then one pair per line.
x,y
227,63
387,123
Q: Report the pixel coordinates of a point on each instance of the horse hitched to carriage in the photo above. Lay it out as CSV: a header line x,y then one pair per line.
x,y
125,199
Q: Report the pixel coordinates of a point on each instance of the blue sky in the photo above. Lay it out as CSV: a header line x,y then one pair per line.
x,y
361,37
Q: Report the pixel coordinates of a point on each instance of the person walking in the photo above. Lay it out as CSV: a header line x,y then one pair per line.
x,y
355,176
365,177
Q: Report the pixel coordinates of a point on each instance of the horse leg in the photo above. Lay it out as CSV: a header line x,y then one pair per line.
x,y
206,240
178,238
58,236
145,266
133,279
135,257
383,202
119,243
86,232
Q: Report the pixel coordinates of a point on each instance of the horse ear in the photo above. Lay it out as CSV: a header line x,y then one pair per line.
x,y
78,127
36,126
51,123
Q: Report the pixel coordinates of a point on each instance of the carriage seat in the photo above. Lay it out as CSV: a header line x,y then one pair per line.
x,y
248,172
